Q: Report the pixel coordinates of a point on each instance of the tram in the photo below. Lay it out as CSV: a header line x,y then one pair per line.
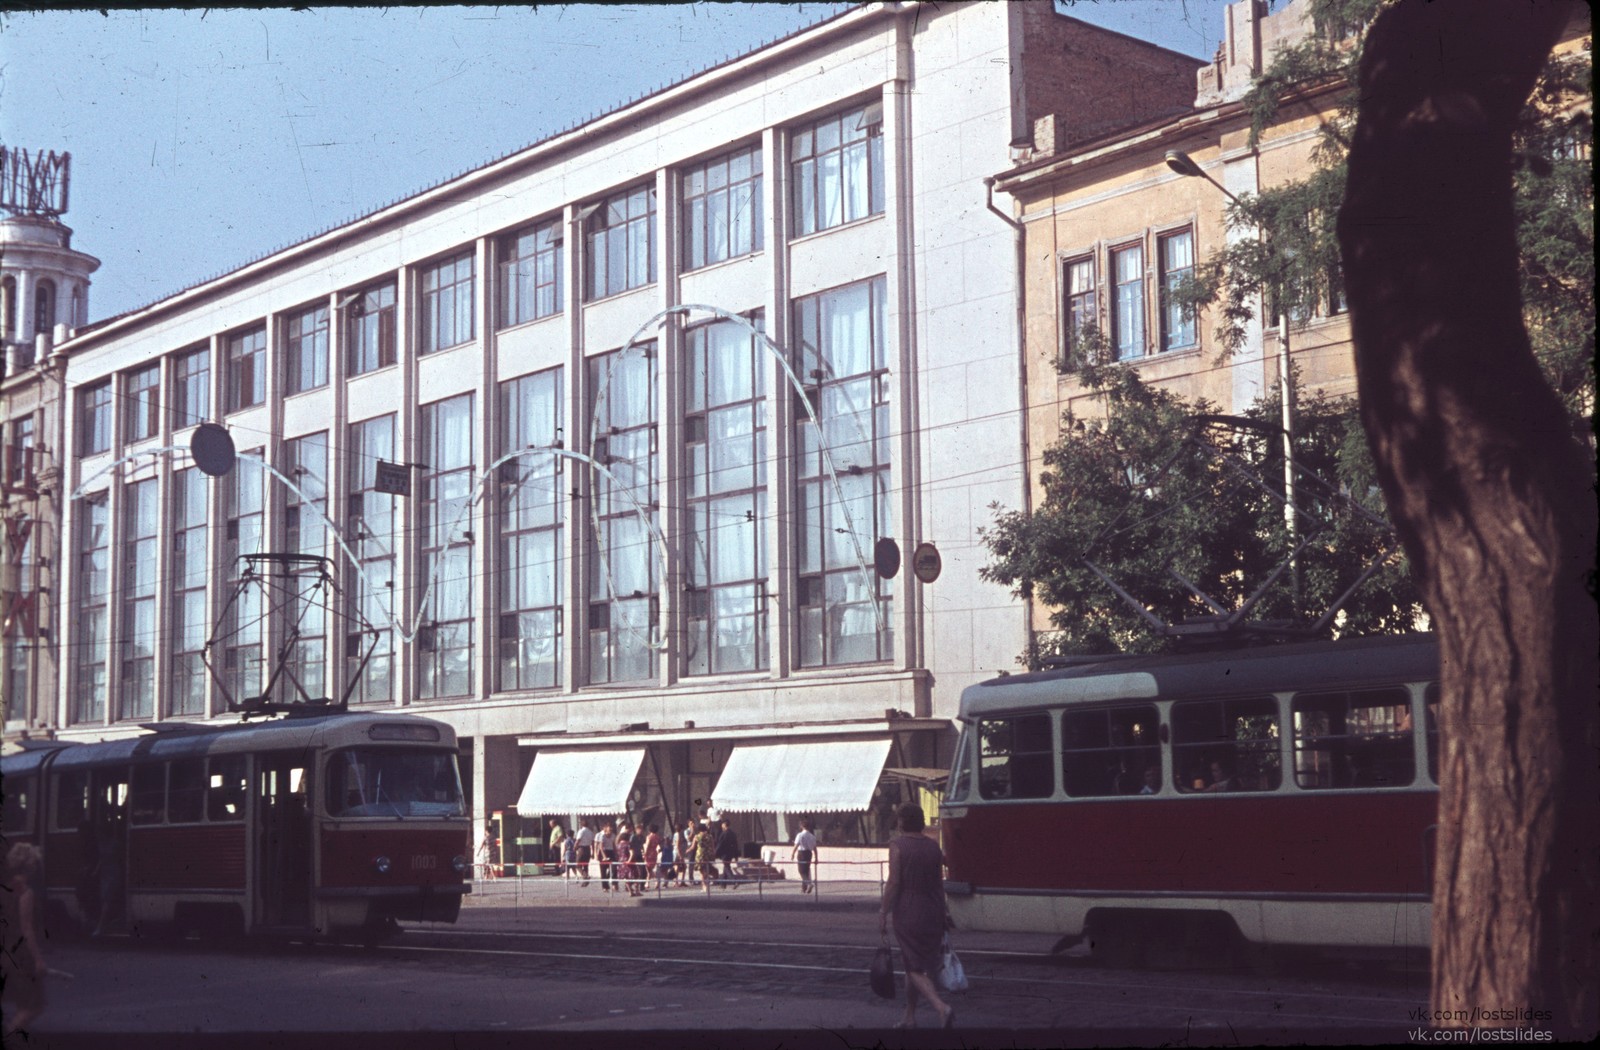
x,y
1257,797
326,825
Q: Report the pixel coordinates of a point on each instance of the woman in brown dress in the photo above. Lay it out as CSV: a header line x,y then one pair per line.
x,y
914,895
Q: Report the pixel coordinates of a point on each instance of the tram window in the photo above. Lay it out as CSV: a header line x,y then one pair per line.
x,y
1353,740
18,801
1015,757
961,780
226,789
1106,752
186,794
1226,745
72,800
149,794
365,782
1431,709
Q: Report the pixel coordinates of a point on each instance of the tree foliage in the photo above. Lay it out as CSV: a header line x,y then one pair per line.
x,y
1296,266
1163,485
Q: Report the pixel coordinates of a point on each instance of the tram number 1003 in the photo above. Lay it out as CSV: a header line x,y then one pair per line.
x,y
424,863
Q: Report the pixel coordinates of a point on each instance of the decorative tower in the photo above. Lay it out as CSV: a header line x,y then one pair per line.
x,y
44,283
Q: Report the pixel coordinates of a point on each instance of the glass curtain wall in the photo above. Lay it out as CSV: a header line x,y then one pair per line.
x,y
529,591
189,573
445,563
306,533
842,361
623,573
725,434
372,537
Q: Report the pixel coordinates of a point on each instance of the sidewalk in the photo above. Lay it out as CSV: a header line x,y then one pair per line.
x,y
536,890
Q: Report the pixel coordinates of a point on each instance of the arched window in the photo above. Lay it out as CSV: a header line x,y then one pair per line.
x,y
8,308
44,307
76,318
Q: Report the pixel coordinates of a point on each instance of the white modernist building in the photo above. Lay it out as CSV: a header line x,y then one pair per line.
x,y
659,387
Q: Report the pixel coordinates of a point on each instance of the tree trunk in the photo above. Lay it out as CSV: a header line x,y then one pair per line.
x,y
1493,497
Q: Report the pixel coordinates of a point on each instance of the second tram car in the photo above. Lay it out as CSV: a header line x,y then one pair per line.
x,y
322,825
1281,795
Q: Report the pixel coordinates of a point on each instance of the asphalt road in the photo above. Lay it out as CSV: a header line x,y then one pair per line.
x,y
574,968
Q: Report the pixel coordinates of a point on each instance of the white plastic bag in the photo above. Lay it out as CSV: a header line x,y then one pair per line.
x,y
952,975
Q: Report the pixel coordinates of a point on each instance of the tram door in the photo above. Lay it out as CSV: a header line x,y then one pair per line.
x,y
108,827
283,844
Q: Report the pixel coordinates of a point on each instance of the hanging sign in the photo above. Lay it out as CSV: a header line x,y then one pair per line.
x,y
926,563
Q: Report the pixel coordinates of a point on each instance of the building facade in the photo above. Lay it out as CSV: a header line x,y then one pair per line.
x,y
648,398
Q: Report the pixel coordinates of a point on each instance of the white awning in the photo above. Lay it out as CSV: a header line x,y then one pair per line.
x,y
580,781
826,776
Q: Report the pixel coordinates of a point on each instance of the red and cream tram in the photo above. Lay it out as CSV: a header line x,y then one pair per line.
x,y
1282,795
323,825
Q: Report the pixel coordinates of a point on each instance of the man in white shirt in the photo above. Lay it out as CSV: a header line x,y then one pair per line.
x,y
804,853
585,837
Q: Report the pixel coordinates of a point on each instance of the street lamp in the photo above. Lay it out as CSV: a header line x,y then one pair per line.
x,y
1185,165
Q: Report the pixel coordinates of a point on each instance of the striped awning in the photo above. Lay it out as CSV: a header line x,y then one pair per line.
x,y
821,776
587,781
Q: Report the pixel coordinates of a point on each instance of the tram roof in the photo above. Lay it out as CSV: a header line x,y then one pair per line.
x,y
187,741
1352,663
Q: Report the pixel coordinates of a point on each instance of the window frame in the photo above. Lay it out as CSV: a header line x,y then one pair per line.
x,y
1125,781
1042,758
436,514
189,528
697,225
612,225
305,349
1167,279
1188,754
1074,354
188,411
519,275
808,167
1352,756
1135,318
94,418
440,285
143,401
371,348
245,359
528,521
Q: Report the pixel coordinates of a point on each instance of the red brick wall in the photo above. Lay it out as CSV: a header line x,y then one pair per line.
x,y
1095,81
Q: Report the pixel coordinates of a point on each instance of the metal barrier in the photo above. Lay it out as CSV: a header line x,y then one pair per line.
x,y
855,877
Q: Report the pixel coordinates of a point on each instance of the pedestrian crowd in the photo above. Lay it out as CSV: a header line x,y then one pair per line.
x,y
634,858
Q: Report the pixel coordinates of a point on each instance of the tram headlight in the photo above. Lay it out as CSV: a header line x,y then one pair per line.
x,y
382,864
459,863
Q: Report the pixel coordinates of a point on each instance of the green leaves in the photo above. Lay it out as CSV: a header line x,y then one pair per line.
x,y
1163,488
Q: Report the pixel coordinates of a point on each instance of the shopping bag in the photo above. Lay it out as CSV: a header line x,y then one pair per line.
x,y
880,974
952,975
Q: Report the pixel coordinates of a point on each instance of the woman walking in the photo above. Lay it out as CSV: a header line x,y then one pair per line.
x,y
914,895
705,857
21,912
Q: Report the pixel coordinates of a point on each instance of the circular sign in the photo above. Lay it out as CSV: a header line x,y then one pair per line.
x,y
212,449
926,563
886,558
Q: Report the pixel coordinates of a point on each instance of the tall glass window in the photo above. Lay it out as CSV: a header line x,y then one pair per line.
x,y
243,656
94,419
369,327
1081,308
247,368
836,165
842,360
370,521
1127,289
306,533
447,314
191,388
44,306
305,350
189,573
623,608
1177,265
529,592
136,695
89,647
621,242
722,208
725,435
143,404
444,565
530,274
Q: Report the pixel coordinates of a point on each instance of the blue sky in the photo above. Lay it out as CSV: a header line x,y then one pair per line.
x,y
200,141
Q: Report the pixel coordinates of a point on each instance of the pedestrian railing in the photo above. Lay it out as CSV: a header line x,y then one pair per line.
x,y
853,877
